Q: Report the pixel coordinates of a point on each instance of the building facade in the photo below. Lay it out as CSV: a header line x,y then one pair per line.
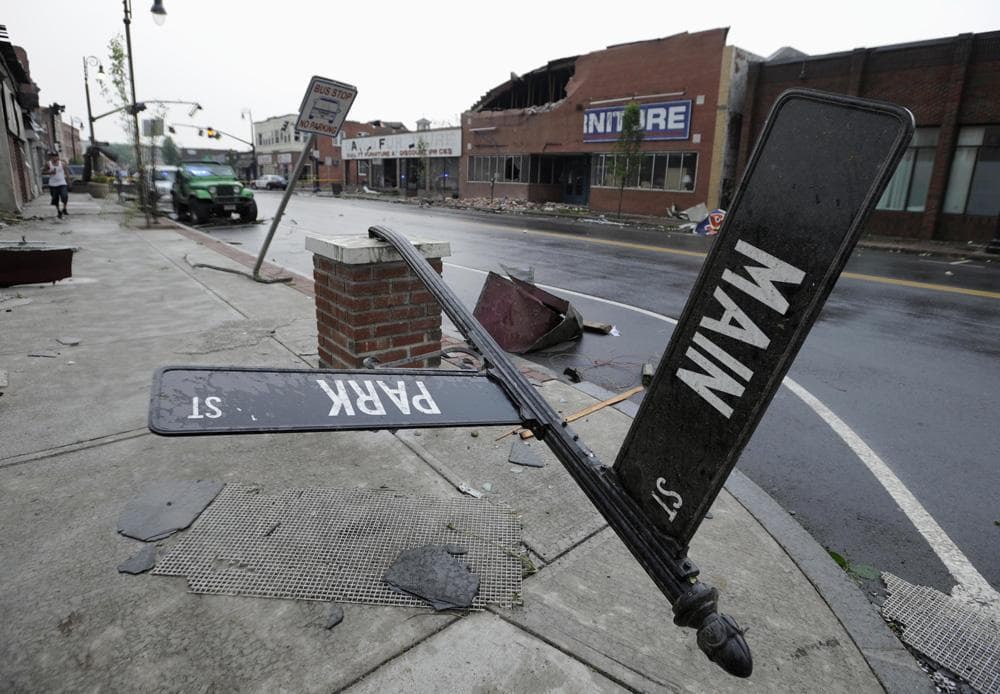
x,y
424,162
22,149
278,144
947,187
334,169
551,135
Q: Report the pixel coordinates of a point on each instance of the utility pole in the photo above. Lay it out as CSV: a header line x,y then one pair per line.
x,y
91,158
134,110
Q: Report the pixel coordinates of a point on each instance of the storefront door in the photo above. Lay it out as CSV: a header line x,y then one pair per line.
x,y
576,182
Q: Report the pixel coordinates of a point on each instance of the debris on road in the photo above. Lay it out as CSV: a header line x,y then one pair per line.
x,y
140,562
68,341
595,327
523,318
525,275
334,616
466,489
960,636
432,574
613,400
521,453
573,374
166,507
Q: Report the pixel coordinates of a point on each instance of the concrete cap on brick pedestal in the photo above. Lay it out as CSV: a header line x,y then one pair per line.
x,y
362,250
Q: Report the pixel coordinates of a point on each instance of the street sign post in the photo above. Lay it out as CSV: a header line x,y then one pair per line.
x,y
820,165
819,168
323,111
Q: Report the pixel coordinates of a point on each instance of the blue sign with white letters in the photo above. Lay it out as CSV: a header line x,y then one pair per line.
x,y
670,120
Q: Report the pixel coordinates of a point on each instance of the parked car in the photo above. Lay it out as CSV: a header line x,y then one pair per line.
x,y
207,189
76,175
271,182
162,181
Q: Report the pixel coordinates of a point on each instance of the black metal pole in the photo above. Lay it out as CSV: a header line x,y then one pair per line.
x,y
694,603
127,6
88,170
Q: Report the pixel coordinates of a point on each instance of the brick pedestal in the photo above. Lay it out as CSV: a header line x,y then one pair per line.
x,y
370,304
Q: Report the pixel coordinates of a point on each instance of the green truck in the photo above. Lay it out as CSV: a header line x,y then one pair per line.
x,y
203,190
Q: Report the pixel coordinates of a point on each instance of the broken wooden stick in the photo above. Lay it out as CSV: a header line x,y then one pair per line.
x,y
613,400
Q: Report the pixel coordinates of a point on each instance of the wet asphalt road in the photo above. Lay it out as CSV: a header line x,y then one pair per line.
x,y
912,370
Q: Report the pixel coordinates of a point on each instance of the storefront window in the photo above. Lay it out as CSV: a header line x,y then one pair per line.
x,y
974,183
667,171
507,169
907,190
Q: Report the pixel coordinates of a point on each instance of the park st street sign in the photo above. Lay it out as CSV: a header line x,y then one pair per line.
x,y
222,400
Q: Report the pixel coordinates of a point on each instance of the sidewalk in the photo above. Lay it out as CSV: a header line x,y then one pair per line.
x,y
74,449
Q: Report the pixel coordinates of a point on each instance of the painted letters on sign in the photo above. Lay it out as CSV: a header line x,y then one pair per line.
x,y
670,120
710,379
210,400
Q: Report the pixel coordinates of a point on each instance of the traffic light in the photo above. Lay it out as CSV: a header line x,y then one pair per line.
x,y
212,132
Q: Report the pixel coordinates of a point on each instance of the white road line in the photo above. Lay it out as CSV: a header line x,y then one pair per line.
x,y
971,586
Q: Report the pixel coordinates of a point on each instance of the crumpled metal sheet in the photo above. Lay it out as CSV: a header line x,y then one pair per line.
x,y
523,318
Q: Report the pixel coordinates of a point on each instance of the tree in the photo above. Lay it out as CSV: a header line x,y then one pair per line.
x,y
628,149
169,152
115,88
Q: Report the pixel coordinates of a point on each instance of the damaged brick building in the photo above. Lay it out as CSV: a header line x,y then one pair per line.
x,y
947,187
549,135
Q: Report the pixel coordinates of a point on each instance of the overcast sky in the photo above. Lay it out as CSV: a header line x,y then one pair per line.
x,y
411,60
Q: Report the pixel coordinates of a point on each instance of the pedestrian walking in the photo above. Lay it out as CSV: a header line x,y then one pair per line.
x,y
59,181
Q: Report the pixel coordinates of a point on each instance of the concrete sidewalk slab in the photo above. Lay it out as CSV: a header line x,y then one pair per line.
x,y
483,653
598,604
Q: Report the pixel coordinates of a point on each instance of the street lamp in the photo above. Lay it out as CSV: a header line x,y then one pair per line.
x,y
159,14
246,114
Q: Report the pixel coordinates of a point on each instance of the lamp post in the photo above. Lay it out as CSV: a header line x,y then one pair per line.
x,y
248,115
91,159
159,16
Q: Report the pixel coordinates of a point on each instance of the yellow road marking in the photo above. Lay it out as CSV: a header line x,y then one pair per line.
x,y
922,285
982,293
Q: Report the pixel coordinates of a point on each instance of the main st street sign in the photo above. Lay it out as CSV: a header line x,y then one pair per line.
x,y
816,173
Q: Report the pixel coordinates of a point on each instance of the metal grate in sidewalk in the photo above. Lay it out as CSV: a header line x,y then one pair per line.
x,y
335,544
949,632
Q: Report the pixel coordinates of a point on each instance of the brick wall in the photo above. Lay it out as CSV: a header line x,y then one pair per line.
x,y
947,83
370,304
687,64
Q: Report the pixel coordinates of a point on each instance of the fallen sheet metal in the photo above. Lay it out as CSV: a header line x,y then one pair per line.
x,y
521,453
335,545
523,318
955,635
165,508
431,573
141,561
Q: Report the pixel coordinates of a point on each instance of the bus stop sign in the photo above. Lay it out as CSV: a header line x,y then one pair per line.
x,y
324,107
